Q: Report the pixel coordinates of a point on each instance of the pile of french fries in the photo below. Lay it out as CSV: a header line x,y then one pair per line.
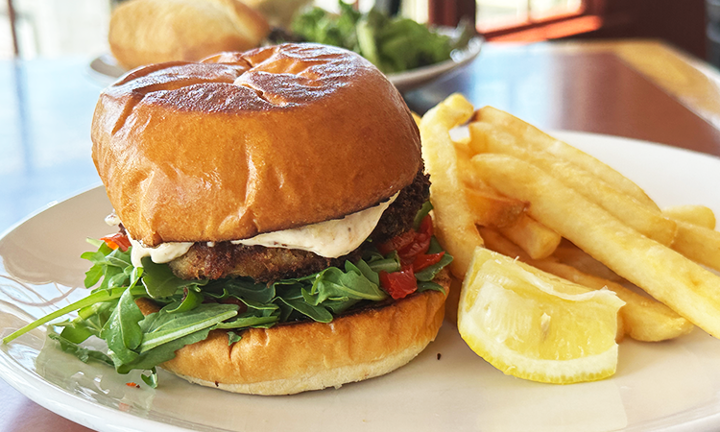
x,y
513,189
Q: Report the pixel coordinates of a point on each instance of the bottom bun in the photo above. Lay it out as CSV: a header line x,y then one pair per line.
x,y
294,358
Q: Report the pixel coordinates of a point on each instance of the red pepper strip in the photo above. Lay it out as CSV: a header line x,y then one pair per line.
x,y
426,226
398,242
422,261
418,247
117,240
399,284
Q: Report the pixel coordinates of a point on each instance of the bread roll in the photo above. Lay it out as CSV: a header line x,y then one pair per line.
x,y
153,31
279,13
290,135
293,358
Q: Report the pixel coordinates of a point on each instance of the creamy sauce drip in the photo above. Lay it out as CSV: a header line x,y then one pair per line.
x,y
330,239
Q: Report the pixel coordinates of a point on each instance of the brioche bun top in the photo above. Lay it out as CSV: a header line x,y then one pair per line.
x,y
246,143
153,31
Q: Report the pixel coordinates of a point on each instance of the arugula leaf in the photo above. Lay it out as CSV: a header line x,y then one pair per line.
x,y
233,337
332,283
389,264
240,288
428,273
152,379
137,342
160,281
114,267
429,286
191,300
122,332
247,321
317,313
84,354
75,331
420,215
100,296
150,359
90,322
162,327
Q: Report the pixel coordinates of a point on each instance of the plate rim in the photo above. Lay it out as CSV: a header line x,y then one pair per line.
x,y
96,415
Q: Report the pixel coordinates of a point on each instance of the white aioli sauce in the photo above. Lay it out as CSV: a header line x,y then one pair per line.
x,y
166,252
330,239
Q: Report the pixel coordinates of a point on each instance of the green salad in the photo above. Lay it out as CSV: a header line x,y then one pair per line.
x,y
392,44
190,309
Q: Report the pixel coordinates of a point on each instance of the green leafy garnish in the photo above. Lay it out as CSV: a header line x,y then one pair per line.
x,y
84,354
190,309
233,337
391,44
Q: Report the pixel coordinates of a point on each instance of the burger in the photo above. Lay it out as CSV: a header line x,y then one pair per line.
x,y
273,229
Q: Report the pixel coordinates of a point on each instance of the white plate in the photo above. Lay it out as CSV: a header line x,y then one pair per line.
x,y
106,70
670,386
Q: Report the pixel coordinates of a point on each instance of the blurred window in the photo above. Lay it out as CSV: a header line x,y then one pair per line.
x,y
503,14
50,28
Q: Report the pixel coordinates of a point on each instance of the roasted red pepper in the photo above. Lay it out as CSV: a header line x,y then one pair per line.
x,y
399,284
423,260
119,240
412,247
398,242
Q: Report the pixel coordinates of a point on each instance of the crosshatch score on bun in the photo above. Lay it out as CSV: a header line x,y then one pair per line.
x,y
247,143
204,158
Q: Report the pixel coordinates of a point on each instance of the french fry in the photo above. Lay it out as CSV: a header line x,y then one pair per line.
x,y
695,214
494,210
488,207
572,255
684,286
647,220
537,240
454,223
415,117
644,319
542,141
465,171
698,243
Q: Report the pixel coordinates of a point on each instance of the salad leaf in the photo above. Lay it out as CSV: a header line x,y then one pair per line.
x,y
96,297
160,282
162,353
233,337
122,332
428,273
189,310
393,44
162,327
152,379
113,267
84,354
191,300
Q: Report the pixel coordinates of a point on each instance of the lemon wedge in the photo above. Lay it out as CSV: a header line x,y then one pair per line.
x,y
536,326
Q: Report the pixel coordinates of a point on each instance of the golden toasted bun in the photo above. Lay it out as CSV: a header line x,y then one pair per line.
x,y
275,138
153,31
289,359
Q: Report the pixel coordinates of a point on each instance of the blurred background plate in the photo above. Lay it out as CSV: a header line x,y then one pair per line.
x,y
411,79
105,69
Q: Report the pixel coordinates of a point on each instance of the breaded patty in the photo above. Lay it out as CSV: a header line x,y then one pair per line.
x,y
263,264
